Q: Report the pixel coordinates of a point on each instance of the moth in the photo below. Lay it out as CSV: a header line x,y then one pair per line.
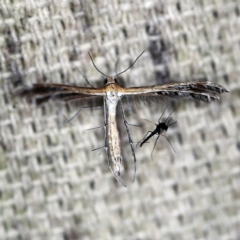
x,y
161,129
112,93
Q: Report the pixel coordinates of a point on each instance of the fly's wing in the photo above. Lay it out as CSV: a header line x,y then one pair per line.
x,y
204,91
40,93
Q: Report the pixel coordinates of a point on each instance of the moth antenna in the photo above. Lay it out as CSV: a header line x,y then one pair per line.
x,y
96,66
131,64
116,66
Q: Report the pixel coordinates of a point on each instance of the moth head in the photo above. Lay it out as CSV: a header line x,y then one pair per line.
x,y
110,80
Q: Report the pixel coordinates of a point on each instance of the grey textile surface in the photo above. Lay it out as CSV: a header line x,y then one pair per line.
x,y
52,186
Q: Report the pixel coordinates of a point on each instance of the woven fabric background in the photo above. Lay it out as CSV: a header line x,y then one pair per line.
x,y
52,186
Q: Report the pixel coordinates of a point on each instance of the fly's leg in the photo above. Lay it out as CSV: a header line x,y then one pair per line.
x,y
154,146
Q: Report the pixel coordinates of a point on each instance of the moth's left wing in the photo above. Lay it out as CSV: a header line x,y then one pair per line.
x,y
40,93
204,91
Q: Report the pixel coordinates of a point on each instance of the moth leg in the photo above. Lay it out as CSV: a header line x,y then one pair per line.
x,y
95,149
76,114
130,141
70,119
94,128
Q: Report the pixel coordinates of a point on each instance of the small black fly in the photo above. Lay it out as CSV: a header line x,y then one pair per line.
x,y
160,129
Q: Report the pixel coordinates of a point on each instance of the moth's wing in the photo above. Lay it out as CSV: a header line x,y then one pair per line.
x,y
40,93
201,85
204,91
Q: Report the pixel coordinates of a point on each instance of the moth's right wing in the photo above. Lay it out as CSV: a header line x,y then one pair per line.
x,y
204,91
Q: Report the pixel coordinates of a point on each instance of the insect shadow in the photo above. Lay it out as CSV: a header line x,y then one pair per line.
x,y
161,129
